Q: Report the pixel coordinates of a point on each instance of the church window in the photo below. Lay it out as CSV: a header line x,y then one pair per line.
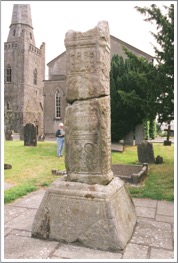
x,y
30,35
8,74
35,77
57,104
14,33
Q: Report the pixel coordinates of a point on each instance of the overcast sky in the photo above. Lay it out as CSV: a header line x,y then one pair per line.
x,y
52,19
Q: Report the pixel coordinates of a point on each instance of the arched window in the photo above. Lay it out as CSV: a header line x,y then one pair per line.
x,y
9,74
35,76
57,104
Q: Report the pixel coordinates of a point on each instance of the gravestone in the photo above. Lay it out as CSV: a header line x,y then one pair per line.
x,y
88,205
41,138
30,135
7,166
139,134
159,159
145,152
129,138
9,135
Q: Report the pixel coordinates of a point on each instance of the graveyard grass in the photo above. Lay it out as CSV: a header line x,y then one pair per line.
x,y
31,170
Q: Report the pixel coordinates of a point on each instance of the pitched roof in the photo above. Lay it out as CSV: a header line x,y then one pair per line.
x,y
131,47
116,39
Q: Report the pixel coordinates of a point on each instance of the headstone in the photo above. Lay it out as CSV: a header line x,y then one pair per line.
x,y
129,138
7,166
30,134
9,135
117,147
167,143
145,152
159,159
88,205
41,138
139,134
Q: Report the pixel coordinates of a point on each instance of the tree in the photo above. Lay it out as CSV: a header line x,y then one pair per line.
x,y
139,89
132,100
164,57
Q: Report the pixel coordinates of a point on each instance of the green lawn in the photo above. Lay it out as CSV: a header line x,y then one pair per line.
x,y
31,169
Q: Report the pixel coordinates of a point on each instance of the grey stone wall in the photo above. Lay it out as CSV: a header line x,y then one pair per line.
x,y
50,88
23,101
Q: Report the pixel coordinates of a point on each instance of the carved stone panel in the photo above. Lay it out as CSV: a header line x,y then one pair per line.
x,y
88,147
88,63
87,119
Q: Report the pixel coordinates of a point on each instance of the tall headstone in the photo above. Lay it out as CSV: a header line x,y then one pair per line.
x,y
145,152
139,134
129,138
9,135
88,205
30,134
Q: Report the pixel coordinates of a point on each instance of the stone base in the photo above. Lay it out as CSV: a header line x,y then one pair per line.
x,y
167,143
95,216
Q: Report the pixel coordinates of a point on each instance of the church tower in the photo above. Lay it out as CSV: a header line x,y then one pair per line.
x,y
24,73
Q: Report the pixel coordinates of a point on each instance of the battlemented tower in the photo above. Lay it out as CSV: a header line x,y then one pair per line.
x,y
24,72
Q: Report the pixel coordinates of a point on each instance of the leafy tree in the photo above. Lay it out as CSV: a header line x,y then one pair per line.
x,y
164,57
139,89
131,97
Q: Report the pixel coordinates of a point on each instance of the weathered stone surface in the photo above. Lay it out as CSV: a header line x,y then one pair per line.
x,y
139,134
27,248
88,63
161,254
165,208
23,221
128,139
96,216
87,141
133,174
87,119
145,152
154,234
87,206
136,251
77,252
30,134
9,135
148,212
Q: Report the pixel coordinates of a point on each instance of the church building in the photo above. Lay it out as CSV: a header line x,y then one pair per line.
x,y
24,72
28,97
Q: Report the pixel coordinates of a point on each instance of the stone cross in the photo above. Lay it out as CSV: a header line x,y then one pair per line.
x,y
87,205
87,118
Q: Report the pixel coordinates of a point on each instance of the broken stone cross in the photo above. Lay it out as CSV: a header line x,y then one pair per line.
x,y
87,119
88,205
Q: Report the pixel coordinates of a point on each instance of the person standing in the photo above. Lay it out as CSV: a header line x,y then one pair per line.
x,y
60,139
